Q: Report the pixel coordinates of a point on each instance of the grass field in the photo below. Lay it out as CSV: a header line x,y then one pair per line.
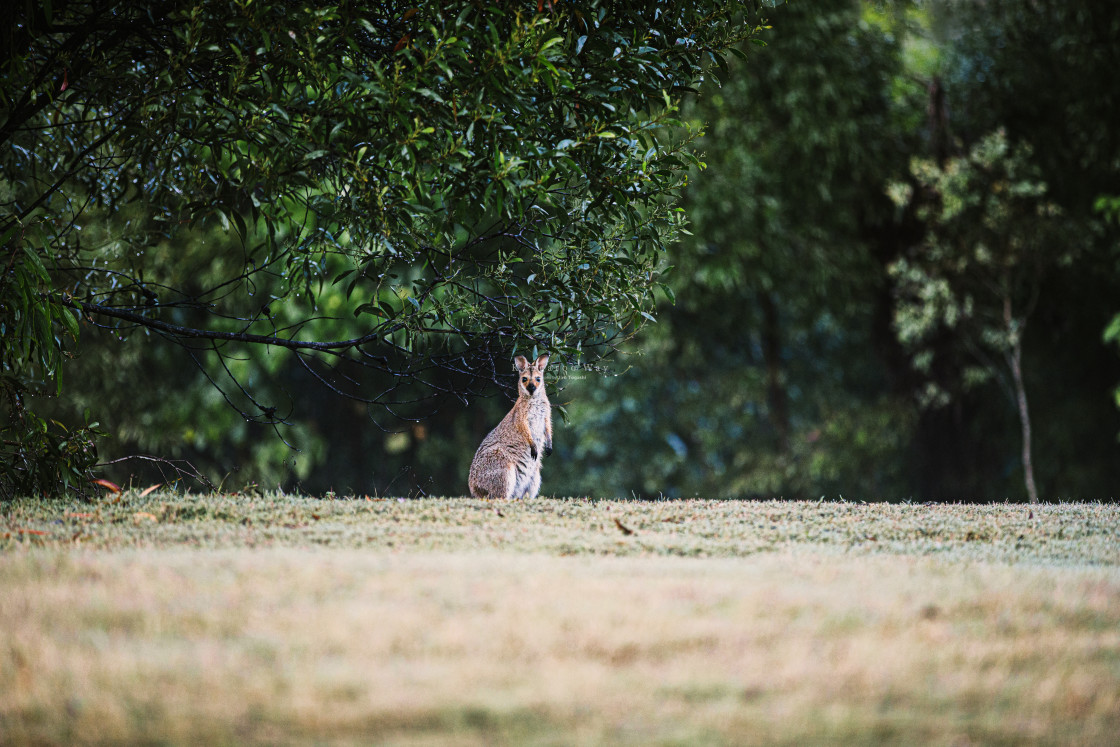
x,y
276,619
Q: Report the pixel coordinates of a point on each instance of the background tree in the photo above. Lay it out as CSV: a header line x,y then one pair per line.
x,y
832,399
1039,72
475,178
762,378
991,238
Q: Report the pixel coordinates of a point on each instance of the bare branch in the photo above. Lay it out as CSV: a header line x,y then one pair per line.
x,y
176,330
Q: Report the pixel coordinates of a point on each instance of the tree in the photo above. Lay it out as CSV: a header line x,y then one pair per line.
x,y
1109,206
991,238
473,178
1041,72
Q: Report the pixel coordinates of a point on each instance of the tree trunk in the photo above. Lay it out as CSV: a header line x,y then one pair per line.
x,y
776,395
1015,360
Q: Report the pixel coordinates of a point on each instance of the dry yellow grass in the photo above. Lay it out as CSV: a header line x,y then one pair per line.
x,y
440,622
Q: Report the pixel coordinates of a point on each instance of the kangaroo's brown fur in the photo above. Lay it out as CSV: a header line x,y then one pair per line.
x,y
508,462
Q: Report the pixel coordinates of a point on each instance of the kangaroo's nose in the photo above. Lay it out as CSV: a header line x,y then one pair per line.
x,y
531,387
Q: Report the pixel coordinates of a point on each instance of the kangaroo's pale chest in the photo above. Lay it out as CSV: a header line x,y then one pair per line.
x,y
538,418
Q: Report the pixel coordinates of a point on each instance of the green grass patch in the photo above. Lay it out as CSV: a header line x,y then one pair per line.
x,y
1067,533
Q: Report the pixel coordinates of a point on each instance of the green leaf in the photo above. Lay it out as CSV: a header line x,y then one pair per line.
x,y
668,291
36,263
69,320
1112,331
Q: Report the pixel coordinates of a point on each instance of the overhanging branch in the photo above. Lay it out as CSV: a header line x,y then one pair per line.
x,y
177,330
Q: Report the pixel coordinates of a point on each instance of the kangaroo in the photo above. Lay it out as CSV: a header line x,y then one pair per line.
x,y
507,464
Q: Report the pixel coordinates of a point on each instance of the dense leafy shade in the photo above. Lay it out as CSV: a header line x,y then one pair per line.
x,y
762,379
824,341
467,179
1040,71
991,236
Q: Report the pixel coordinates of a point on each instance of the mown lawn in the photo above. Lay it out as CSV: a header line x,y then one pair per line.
x,y
280,619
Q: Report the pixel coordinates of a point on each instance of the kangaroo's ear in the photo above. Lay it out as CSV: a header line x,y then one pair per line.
x,y
521,362
541,363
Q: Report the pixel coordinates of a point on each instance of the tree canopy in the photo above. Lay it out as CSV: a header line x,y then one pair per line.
x,y
462,179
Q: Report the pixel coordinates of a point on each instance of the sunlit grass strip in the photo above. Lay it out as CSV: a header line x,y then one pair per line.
x,y
1066,533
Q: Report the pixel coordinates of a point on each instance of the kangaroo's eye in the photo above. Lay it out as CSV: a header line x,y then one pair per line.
x,y
524,378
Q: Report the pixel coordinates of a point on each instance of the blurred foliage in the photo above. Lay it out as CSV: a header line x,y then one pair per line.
x,y
761,380
874,202
1040,73
991,236
970,286
1109,207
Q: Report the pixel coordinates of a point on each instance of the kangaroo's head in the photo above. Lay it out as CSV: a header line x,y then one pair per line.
x,y
530,376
